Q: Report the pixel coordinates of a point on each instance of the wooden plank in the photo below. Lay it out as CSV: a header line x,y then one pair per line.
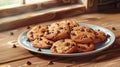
x,y
9,53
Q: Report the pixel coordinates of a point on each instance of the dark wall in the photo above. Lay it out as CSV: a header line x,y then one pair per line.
x,y
108,5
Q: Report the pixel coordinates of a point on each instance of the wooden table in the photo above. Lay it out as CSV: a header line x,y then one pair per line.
x,y
19,56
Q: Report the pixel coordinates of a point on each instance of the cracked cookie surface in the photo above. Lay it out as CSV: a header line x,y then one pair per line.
x,y
42,42
82,34
63,46
57,31
36,32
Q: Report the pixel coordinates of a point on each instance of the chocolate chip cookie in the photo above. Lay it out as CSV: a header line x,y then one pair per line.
x,y
36,32
63,46
85,47
42,42
57,31
99,36
82,34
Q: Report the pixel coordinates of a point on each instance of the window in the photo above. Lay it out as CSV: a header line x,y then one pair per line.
x,y
15,7
24,12
8,2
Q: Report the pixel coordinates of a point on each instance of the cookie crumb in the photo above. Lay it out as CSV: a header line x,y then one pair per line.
x,y
50,63
11,33
108,35
113,28
28,40
28,27
29,63
39,49
14,46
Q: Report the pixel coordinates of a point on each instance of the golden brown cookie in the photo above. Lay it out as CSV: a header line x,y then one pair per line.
x,y
36,32
99,36
82,34
57,31
85,47
63,46
42,42
72,24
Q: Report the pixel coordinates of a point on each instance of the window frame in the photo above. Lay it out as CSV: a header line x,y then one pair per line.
x,y
18,19
24,8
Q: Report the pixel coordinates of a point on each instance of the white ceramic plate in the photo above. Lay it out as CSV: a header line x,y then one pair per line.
x,y
98,47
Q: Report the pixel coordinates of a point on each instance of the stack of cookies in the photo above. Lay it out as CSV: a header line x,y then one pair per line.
x,y
65,37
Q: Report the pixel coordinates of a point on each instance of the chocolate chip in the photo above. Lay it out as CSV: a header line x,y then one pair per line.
x,y
61,28
55,50
68,33
54,46
58,32
11,33
78,46
73,34
14,46
96,36
29,63
88,45
43,31
71,29
84,36
82,47
98,29
48,43
40,38
113,28
65,28
108,35
81,29
31,32
47,32
57,24
50,63
68,23
39,49
28,40
104,35
67,44
71,45
41,35
91,38
52,32
75,25
31,36
89,30
39,26
95,33
28,27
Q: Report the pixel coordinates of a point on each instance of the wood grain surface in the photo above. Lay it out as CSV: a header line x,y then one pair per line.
x,y
19,56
